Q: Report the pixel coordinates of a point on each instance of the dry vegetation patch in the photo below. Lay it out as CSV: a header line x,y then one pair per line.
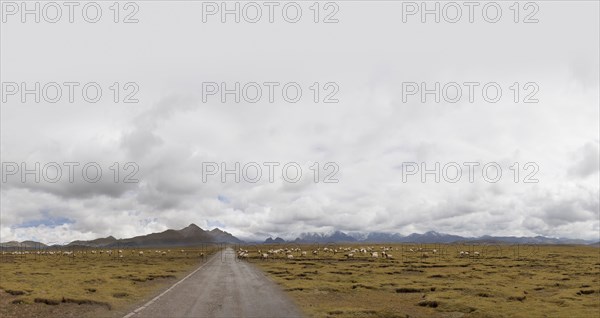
x,y
546,281
89,284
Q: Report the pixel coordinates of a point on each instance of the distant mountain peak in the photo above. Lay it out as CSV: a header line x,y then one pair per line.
x,y
218,231
191,230
192,226
336,236
278,240
433,233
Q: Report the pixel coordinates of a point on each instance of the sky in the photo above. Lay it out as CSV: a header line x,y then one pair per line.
x,y
366,140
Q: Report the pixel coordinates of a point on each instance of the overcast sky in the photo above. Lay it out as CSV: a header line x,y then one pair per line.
x,y
369,133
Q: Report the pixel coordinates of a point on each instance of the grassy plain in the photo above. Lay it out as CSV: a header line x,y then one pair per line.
x,y
89,284
503,281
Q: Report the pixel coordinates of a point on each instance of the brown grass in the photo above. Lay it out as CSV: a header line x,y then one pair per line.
x,y
504,281
89,284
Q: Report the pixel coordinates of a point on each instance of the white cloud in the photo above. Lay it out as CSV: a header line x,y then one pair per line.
x,y
369,134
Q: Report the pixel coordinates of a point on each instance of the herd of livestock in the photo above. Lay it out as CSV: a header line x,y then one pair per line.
x,y
398,251
385,252
119,253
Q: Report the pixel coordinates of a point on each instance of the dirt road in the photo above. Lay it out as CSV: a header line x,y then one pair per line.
x,y
222,287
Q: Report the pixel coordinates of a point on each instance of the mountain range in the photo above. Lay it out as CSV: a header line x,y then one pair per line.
x,y
428,237
194,235
188,236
